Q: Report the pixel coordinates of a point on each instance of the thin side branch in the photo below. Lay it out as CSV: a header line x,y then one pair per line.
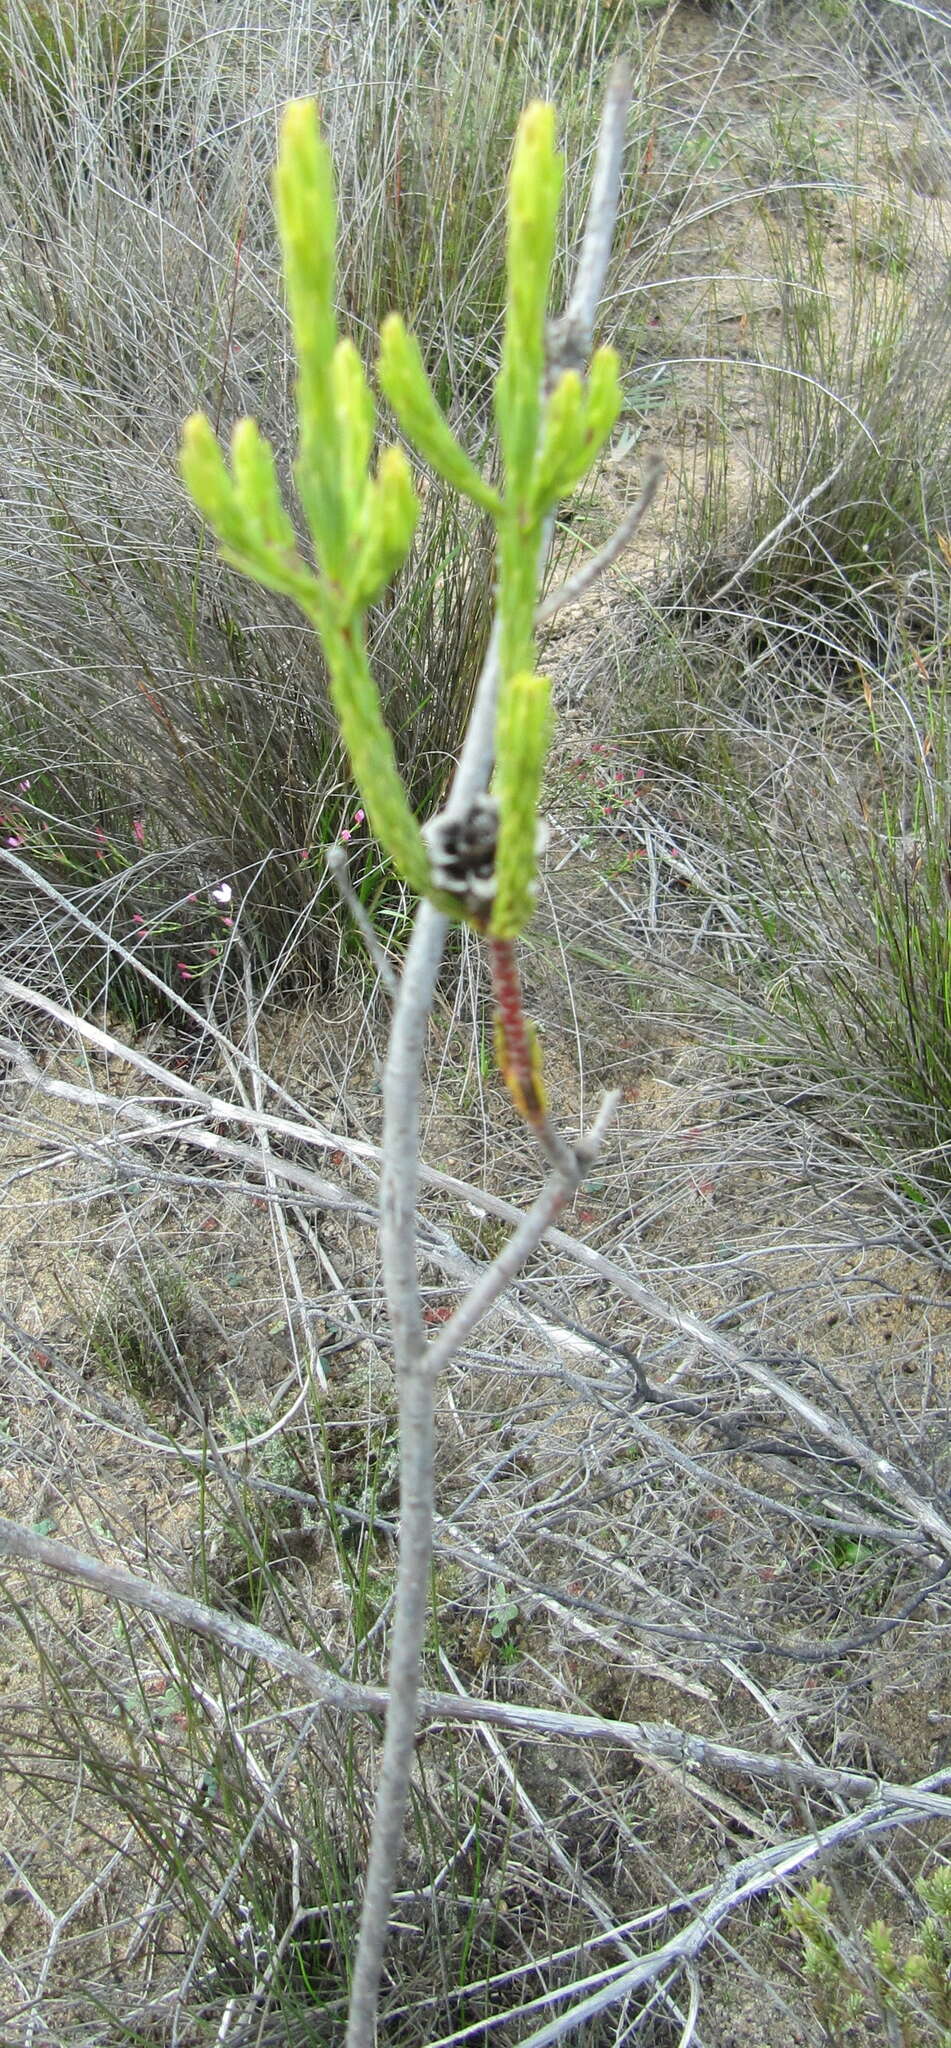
x,y
339,868
571,337
575,587
506,1268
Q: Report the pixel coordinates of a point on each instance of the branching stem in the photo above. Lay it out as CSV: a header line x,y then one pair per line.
x,y
398,1198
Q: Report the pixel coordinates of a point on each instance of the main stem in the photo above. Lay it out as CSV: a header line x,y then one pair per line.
x,y
399,1184
398,1202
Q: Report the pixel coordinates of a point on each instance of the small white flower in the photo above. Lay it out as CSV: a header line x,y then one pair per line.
x,y
222,894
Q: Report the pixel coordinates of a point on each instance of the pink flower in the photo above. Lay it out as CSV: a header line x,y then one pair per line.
x,y
228,923
346,837
137,917
183,970
358,817
138,831
25,785
15,840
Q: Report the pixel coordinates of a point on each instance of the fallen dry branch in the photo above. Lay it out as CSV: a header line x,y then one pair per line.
x,y
747,1880
658,1742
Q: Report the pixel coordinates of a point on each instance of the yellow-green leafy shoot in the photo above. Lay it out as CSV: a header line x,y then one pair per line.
x,y
522,737
307,226
403,378
361,524
578,419
533,199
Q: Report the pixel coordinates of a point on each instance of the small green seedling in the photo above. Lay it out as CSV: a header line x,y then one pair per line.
x,y
505,1615
847,1980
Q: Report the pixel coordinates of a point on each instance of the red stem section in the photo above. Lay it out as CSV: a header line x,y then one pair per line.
x,y
517,1056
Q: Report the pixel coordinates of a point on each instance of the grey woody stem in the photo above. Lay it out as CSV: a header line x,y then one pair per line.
x,y
398,1201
